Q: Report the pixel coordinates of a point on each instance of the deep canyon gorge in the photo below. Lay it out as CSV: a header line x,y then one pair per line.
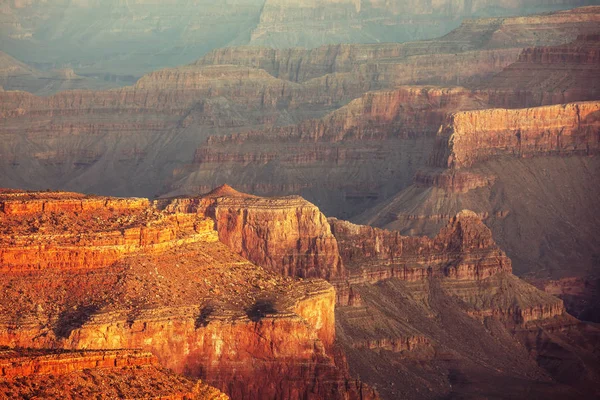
x,y
267,199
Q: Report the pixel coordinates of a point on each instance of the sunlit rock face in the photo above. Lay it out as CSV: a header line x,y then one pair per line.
x,y
85,272
408,302
170,277
53,374
528,172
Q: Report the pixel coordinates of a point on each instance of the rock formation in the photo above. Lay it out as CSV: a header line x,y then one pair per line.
x,y
142,140
85,374
528,172
399,299
287,235
549,75
350,158
180,289
82,272
470,137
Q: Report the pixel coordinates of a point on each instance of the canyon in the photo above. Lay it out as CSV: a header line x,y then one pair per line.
x,y
162,134
348,220
208,287
96,273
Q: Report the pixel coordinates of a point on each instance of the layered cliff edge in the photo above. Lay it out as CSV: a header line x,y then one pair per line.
x,y
398,297
529,173
55,374
85,272
205,311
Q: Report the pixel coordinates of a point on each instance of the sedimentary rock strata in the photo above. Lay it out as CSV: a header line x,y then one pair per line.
x,y
344,161
167,286
474,136
287,235
549,75
83,374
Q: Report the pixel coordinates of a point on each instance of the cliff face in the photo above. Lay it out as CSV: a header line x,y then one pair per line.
x,y
528,172
344,161
167,286
549,75
84,374
475,136
460,255
147,130
473,34
204,311
140,140
288,235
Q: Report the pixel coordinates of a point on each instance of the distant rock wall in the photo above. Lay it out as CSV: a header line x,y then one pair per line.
x,y
473,136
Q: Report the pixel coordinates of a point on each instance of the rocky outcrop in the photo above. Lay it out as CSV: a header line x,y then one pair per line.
x,y
104,229
197,306
474,136
287,235
464,250
59,375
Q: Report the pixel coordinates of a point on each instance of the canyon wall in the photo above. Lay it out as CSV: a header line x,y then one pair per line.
x,y
474,136
489,34
151,138
84,374
287,235
169,287
549,75
205,311
345,161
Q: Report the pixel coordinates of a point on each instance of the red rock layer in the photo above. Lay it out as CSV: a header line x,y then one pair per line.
x,y
463,256
59,364
464,250
273,233
117,227
198,307
86,374
287,235
473,136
